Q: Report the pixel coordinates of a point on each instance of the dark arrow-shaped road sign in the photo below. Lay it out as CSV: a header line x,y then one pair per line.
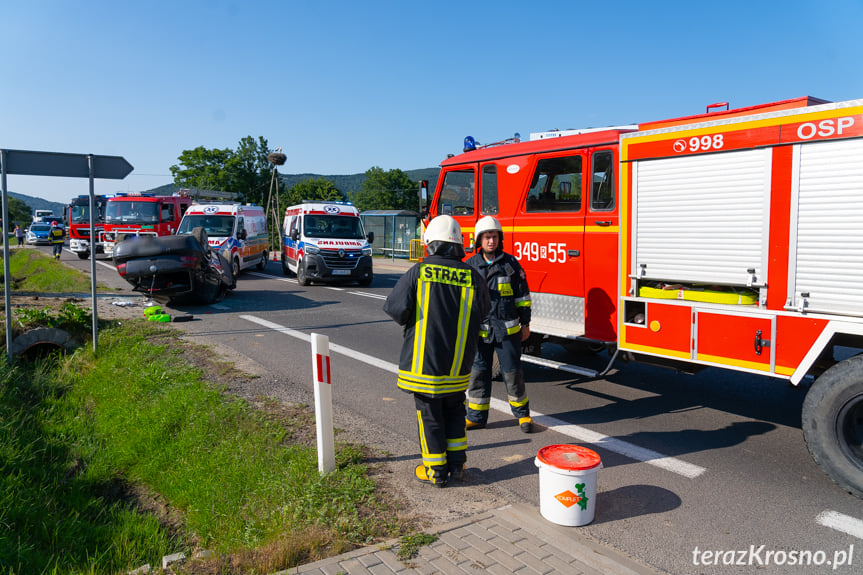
x,y
28,163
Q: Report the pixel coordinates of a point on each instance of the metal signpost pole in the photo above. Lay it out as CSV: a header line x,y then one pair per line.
x,y
7,297
92,169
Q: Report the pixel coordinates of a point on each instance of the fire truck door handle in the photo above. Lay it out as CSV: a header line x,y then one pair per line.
x,y
602,223
760,343
573,253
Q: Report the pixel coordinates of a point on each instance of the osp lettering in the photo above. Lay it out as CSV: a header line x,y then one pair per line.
x,y
824,128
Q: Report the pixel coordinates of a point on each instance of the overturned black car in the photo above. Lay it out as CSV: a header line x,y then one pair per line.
x,y
174,267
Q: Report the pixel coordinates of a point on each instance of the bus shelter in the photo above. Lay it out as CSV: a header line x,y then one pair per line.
x,y
393,229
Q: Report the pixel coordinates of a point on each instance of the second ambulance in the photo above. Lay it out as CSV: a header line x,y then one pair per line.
x,y
325,241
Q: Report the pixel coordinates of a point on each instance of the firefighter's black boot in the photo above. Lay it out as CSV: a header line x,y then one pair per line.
x,y
456,473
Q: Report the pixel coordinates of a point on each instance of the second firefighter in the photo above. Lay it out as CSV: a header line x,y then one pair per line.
x,y
505,327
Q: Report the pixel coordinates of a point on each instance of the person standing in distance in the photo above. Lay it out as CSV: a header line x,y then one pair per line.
x,y
507,325
440,303
57,236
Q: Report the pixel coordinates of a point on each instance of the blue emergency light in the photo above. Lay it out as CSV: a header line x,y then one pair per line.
x,y
469,143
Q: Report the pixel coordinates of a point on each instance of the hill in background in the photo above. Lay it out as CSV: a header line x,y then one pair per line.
x,y
347,184
39,203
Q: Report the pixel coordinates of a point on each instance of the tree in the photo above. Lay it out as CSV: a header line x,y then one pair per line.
x,y
392,190
250,170
203,169
311,189
19,212
245,171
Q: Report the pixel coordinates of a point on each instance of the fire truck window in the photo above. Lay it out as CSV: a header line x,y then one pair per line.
x,y
489,190
457,194
556,185
167,212
602,190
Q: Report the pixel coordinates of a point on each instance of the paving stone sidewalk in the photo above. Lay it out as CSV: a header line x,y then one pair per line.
x,y
511,539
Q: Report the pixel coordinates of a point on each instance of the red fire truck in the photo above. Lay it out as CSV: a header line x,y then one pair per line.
x,y
731,239
78,224
141,214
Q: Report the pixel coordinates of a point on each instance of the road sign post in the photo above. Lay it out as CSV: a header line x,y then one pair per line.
x,y
31,163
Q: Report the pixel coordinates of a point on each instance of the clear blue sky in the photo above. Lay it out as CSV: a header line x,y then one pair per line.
x,y
344,86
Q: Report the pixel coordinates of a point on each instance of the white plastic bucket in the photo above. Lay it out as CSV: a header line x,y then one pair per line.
x,y
567,483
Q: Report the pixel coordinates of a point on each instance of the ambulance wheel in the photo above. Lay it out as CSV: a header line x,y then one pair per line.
x,y
302,278
83,255
285,269
262,265
833,423
235,268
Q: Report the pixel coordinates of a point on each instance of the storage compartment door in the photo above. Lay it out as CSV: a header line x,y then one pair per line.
x,y
703,219
740,341
826,267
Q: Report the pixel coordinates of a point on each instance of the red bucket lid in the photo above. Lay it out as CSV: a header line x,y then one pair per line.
x,y
569,457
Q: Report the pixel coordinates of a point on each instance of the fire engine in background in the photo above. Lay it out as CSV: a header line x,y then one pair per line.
x,y
78,224
238,231
141,214
731,239
326,241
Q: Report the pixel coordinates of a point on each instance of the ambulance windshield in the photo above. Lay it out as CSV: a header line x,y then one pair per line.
x,y
216,226
326,226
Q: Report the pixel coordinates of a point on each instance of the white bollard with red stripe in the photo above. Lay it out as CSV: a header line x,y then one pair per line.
x,y
323,403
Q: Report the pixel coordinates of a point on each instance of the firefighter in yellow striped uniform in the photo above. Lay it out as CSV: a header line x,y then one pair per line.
x,y
440,302
503,330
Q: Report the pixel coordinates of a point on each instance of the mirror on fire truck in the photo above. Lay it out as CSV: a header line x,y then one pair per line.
x,y
424,197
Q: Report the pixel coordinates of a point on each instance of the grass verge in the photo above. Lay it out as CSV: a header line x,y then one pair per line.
x,y
108,464
33,271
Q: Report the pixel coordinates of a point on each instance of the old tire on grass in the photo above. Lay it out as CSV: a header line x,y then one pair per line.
x,y
43,340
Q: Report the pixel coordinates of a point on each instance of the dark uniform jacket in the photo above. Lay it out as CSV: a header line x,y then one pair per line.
x,y
57,235
510,295
440,302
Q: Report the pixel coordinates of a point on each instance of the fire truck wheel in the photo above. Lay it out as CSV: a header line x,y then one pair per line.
x,y
302,278
833,423
83,255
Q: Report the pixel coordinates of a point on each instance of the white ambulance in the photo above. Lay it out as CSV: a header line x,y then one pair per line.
x,y
237,231
326,242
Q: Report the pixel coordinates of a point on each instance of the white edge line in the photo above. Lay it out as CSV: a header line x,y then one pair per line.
x,y
642,454
841,522
610,443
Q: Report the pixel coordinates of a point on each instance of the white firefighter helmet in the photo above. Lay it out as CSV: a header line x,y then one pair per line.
x,y
487,224
443,229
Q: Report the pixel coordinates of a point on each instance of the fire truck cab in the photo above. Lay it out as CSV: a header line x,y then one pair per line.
x,y
78,224
555,197
141,214
730,239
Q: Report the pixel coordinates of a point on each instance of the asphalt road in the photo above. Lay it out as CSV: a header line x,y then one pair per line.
x,y
703,473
